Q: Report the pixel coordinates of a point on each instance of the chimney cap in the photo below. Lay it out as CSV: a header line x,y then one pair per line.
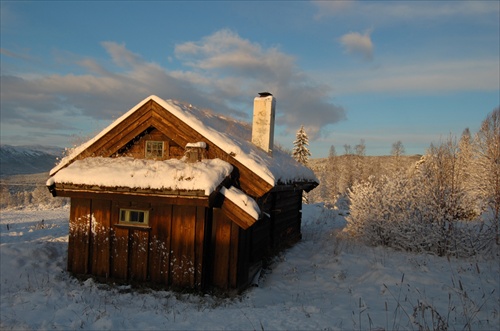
x,y
264,94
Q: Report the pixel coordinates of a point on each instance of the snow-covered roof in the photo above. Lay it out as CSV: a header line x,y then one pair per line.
x,y
242,200
172,174
231,136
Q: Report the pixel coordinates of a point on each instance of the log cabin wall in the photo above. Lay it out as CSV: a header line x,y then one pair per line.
x,y
287,218
283,228
169,250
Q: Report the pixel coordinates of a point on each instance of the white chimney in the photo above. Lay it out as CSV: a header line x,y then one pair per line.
x,y
263,121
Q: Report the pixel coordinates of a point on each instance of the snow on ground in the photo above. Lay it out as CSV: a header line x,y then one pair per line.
x,y
320,283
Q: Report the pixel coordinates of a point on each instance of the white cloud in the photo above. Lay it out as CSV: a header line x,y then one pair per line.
x,y
242,68
120,54
227,53
222,71
357,43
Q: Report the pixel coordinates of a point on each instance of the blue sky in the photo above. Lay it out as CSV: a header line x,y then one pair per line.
x,y
413,71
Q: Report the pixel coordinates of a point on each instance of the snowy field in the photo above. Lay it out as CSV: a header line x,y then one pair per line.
x,y
320,284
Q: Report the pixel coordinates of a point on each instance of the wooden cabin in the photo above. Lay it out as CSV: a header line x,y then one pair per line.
x,y
178,196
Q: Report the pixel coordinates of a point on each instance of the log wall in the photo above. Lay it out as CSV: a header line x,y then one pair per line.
x,y
281,229
287,218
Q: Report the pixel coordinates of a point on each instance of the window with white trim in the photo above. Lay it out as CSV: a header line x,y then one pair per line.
x,y
134,217
154,149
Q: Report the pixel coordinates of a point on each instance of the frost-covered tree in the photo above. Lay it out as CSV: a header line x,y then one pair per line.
x,y
359,161
397,151
487,148
466,156
401,212
332,152
347,149
360,148
333,176
300,151
465,164
424,210
445,174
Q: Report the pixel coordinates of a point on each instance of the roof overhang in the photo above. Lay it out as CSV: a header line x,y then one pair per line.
x,y
174,197
305,186
239,207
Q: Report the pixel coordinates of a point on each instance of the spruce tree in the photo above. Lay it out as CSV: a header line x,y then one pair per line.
x,y
300,151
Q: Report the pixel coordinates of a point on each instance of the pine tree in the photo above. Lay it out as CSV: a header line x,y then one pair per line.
x,y
300,151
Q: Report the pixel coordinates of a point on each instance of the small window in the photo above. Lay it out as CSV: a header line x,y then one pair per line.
x,y
154,149
134,217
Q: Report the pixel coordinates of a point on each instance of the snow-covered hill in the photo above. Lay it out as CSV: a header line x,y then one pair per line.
x,y
15,160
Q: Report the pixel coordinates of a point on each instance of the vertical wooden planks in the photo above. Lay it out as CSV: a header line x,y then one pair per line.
x,y
119,246
233,255
243,258
138,254
79,234
199,247
159,245
182,246
287,218
172,250
222,245
100,237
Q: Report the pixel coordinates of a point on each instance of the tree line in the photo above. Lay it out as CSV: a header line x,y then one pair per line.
x,y
446,201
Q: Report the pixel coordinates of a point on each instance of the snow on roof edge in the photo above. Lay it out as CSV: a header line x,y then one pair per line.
x,y
242,200
171,174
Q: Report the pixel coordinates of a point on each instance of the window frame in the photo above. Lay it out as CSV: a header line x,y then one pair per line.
x,y
127,221
152,153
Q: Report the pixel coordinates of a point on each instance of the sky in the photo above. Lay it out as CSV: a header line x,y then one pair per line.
x,y
348,71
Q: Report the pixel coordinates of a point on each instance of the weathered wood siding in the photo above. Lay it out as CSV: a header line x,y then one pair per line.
x,y
230,259
160,242
79,238
287,218
169,250
99,237
183,245
281,229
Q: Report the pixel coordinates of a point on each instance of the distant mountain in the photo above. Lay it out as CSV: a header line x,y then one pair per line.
x,y
15,160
